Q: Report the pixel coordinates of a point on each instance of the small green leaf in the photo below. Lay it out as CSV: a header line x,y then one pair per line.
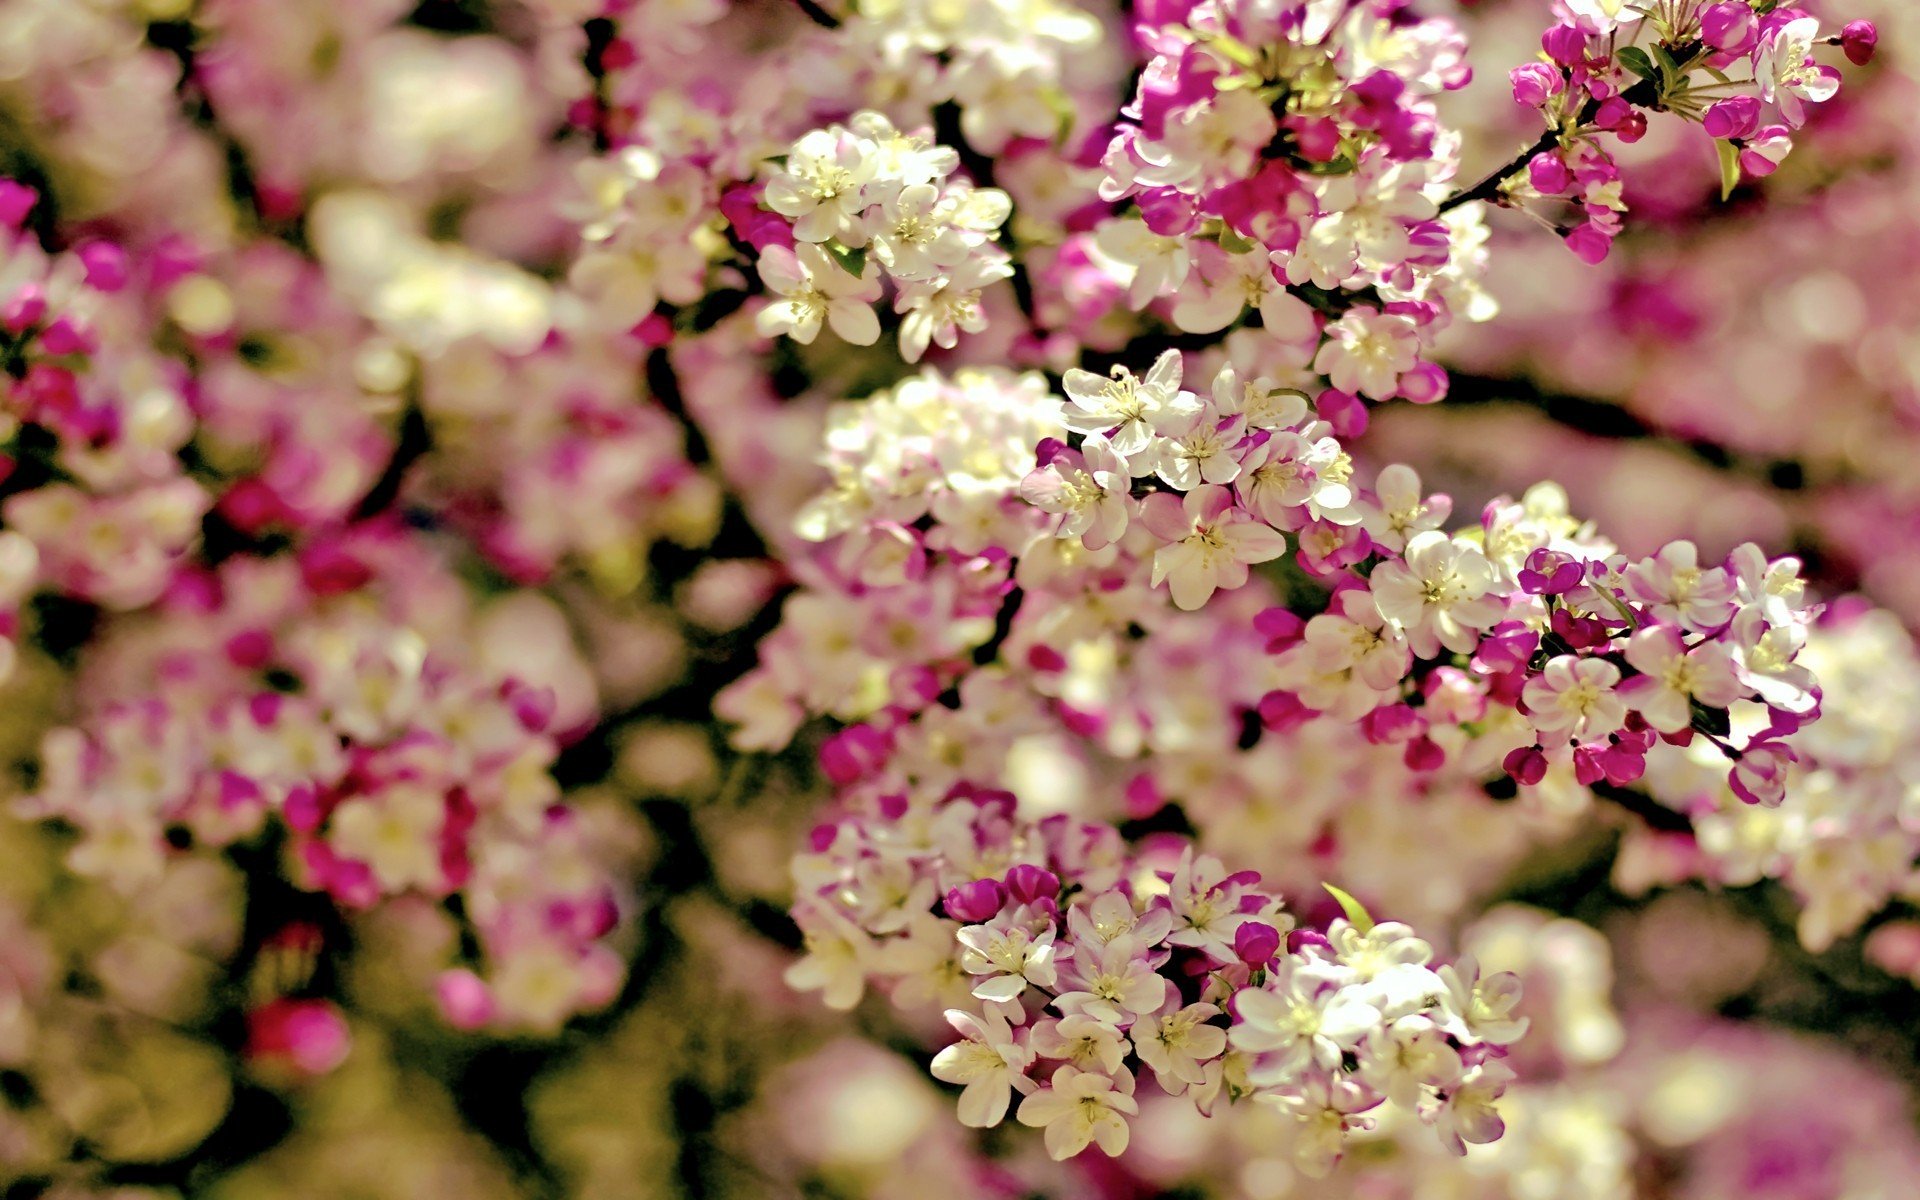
x,y
852,261
1667,63
1729,168
1634,59
1356,912
778,160
1233,243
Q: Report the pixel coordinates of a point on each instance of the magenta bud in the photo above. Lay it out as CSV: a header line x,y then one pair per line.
x,y
16,201
106,266
1858,40
1300,939
1424,754
1549,174
1028,884
1346,413
853,754
1535,83
1317,139
1281,627
1734,117
1565,44
65,337
1729,27
1424,384
1281,711
975,902
1527,765
1589,244
1255,943
25,309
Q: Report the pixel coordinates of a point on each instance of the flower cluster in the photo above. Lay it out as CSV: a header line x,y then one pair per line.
x,y
1745,70
1288,160
865,200
386,768
97,505
1075,967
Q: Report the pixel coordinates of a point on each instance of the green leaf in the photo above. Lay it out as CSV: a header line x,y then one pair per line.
x,y
1634,59
778,160
1729,168
1667,62
1356,912
852,261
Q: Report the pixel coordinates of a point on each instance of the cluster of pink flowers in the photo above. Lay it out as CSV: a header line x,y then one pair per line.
x,y
1594,78
97,504
384,766
1073,966
1288,160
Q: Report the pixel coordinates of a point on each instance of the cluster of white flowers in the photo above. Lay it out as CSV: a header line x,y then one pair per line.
x,y
867,200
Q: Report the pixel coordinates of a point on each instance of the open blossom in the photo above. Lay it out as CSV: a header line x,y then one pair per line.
x,y
813,288
822,184
1210,543
1367,351
1088,487
1673,677
1787,73
1130,411
989,1062
1437,594
1079,1108
1575,697
1007,958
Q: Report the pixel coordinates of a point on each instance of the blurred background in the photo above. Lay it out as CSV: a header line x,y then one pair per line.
x,y
387,179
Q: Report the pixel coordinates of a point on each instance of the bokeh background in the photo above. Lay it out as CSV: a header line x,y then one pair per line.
x,y
387,179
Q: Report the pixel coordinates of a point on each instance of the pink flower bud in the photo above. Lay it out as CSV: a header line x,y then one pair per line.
x,y
1729,27
1425,384
24,309
1527,765
310,1036
1424,754
1858,40
854,754
1535,83
1760,777
1281,627
1281,711
1316,139
1590,244
65,337
1760,157
464,998
1255,943
106,266
976,902
1027,884
16,201
1549,174
1565,44
1300,939
1734,117
1347,414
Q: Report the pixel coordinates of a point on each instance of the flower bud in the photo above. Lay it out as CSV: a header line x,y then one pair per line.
x,y
1729,27
976,902
1858,40
1255,943
1565,44
1549,175
1734,117
1027,883
1527,765
1535,83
